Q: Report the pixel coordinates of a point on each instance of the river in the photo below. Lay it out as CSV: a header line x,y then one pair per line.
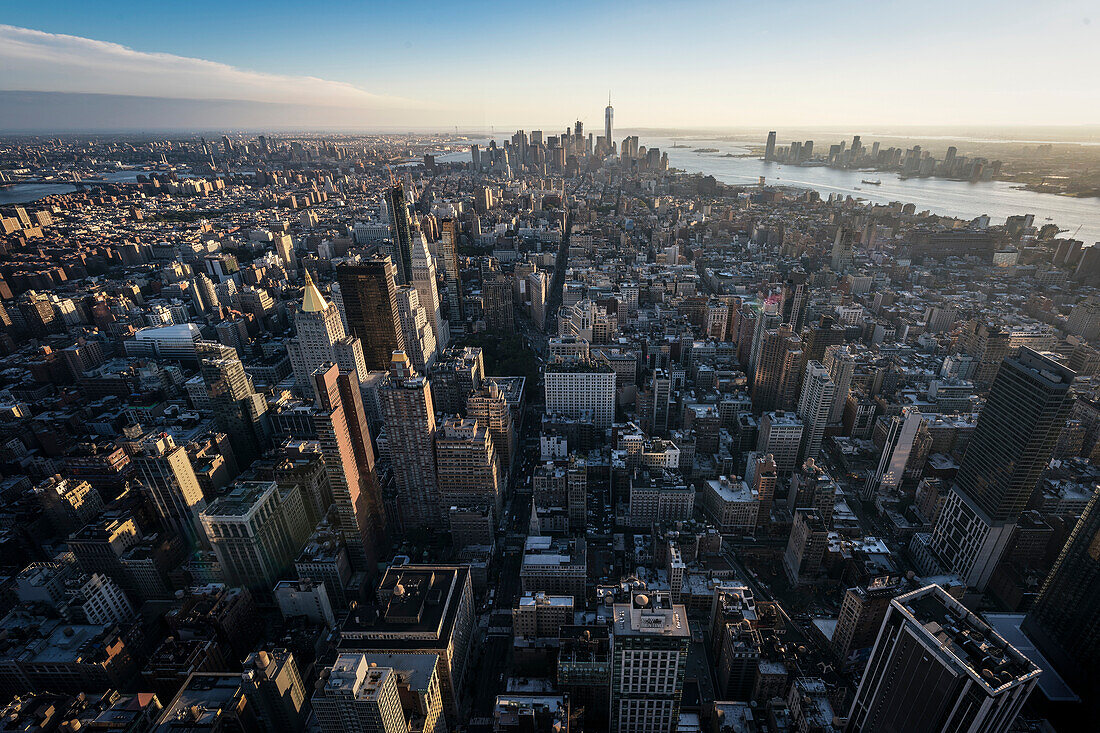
x,y
965,200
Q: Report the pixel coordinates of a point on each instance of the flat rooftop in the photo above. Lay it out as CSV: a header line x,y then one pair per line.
x,y
966,639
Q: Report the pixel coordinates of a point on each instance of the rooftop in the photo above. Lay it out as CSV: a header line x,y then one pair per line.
x,y
965,639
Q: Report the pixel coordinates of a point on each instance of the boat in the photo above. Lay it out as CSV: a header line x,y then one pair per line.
x,y
857,188
876,182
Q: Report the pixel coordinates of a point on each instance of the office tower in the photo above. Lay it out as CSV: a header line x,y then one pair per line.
x,y
459,373
452,275
818,393
284,247
736,640
349,462
778,370
861,613
661,400
769,148
423,610
900,438
842,257
780,437
795,302
68,504
272,683
420,343
842,367
938,667
1064,623
169,480
410,430
822,335
466,465
256,530
321,339
305,597
424,280
581,391
357,697
584,673
650,640
1029,402
369,294
402,233
767,316
805,547
489,407
498,306
608,118
239,411
538,288
764,476
1084,319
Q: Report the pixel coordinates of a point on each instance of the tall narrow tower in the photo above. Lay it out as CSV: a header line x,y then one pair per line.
x,y
608,118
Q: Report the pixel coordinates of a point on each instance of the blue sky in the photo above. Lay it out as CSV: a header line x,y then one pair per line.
x,y
705,64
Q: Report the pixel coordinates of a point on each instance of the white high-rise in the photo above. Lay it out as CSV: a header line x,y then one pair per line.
x,y
583,391
814,408
321,339
424,280
357,697
420,342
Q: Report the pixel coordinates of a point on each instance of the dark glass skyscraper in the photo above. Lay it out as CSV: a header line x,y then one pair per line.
x,y
402,232
1064,623
370,306
1028,404
1013,441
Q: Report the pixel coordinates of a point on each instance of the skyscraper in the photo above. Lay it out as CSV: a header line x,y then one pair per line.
x,y
402,232
650,639
349,462
1029,402
769,148
938,667
1064,623
489,407
321,339
895,454
467,465
608,118
370,303
842,367
448,250
423,278
357,696
498,306
420,343
273,684
169,479
239,411
256,530
813,408
410,443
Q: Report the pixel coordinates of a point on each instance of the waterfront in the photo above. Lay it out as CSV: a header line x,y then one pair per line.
x,y
998,199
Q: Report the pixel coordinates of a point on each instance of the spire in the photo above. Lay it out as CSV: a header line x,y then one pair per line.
x,y
533,524
312,300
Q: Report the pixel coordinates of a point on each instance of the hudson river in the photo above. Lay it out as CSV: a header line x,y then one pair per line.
x,y
965,200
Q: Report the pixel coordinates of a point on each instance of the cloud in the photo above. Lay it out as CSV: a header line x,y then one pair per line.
x,y
32,60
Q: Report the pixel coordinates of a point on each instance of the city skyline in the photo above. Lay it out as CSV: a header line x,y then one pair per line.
x,y
363,66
